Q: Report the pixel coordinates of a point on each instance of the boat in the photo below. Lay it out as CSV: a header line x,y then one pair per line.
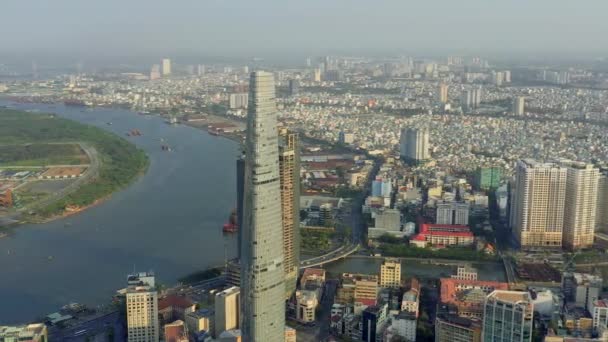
x,y
165,148
214,132
232,225
172,121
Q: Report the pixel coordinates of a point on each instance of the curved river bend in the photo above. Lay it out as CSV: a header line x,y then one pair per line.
x,y
168,221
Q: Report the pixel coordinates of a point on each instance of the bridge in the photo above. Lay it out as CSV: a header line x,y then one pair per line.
x,y
337,254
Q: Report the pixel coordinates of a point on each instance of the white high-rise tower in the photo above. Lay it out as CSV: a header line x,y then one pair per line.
x,y
262,256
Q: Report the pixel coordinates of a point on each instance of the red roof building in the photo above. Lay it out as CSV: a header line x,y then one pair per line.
x,y
468,295
443,234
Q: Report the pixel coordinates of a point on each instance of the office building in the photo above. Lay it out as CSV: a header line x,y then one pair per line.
x,y
537,204
465,273
262,253
488,178
414,145
36,332
227,304
507,317
580,205
453,328
453,213
601,213
142,308
289,169
442,93
390,274
166,67
404,325
519,105
239,100
294,87
372,322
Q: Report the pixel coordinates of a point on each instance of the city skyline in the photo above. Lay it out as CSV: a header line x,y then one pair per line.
x,y
392,26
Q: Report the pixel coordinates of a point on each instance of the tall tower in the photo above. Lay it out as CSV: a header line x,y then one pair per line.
x,y
601,219
289,166
414,145
581,205
142,308
166,65
262,256
442,94
537,207
519,105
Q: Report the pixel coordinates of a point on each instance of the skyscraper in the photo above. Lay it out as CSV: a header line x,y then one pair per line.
x,y
294,87
166,66
442,94
414,145
262,254
142,308
537,204
289,166
601,223
580,205
519,105
507,317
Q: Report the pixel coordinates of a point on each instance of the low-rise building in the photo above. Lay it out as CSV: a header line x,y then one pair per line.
x,y
443,235
36,332
306,304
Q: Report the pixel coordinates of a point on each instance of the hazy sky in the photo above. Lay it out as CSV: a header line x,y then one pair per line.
x,y
306,27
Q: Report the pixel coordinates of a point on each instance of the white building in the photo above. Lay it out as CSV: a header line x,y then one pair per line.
x,y
600,313
142,308
404,325
166,66
580,206
507,316
239,100
537,204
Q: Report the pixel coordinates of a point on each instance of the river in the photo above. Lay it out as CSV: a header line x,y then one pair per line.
x,y
168,221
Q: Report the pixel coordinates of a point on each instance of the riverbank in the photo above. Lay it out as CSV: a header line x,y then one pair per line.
x,y
114,162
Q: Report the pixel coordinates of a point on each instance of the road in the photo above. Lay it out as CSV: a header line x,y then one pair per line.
x,y
91,173
337,254
97,328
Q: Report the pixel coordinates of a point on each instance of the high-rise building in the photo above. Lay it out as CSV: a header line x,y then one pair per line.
x,y
317,75
142,308
227,306
507,317
537,204
471,99
442,93
601,219
294,87
239,100
289,168
262,253
200,69
414,145
155,72
453,213
166,66
519,105
488,178
390,274
580,205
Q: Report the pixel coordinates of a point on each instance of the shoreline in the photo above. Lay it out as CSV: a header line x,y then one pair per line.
x,y
22,217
